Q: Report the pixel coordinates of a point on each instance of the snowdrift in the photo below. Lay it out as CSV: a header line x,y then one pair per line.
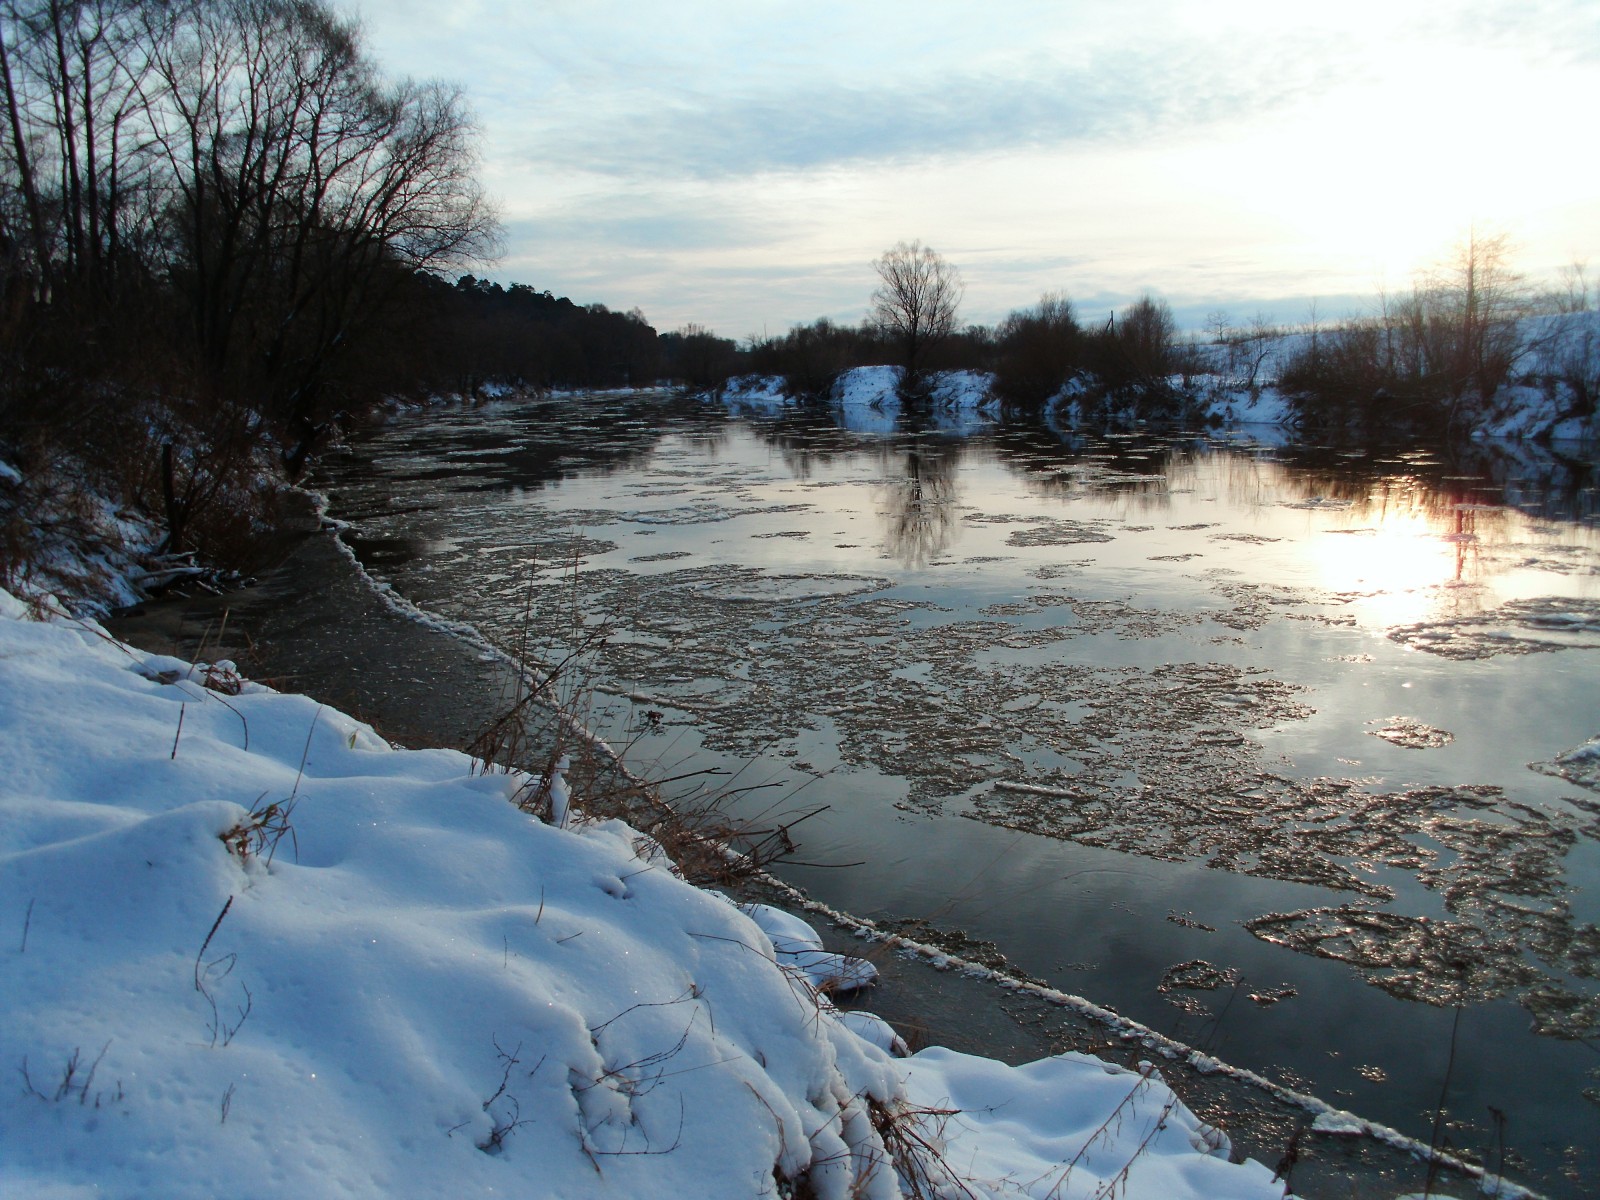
x,y
251,949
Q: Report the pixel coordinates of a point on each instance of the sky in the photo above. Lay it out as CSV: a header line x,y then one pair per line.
x,y
740,165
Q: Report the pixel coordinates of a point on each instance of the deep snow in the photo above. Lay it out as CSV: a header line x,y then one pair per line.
x,y
251,949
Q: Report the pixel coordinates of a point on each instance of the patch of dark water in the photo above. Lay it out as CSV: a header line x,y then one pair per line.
x,y
1056,691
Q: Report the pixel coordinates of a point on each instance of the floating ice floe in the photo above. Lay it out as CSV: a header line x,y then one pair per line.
x,y
1580,765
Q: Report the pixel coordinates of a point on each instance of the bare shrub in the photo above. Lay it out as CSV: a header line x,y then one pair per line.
x,y
1133,355
812,357
1429,360
77,1080
1037,351
258,835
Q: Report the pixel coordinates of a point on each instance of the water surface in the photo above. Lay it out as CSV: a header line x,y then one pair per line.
x,y
1261,746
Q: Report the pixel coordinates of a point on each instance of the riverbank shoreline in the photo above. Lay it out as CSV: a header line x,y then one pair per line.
x,y
318,624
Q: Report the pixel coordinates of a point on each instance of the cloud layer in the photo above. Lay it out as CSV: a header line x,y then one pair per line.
x,y
739,164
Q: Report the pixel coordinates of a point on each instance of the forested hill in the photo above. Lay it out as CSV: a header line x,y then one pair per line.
x,y
521,335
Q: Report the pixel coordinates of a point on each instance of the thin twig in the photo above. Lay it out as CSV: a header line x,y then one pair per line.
x,y
305,752
689,993
1438,1110
215,925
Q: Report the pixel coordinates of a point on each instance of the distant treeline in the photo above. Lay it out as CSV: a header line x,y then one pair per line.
x,y
531,338
1033,354
1432,361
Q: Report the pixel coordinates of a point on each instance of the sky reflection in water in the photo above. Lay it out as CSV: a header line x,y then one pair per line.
x,y
1046,684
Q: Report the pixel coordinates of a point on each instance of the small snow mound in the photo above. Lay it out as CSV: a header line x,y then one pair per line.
x,y
1052,1112
762,393
967,391
875,1030
798,946
1341,1123
868,388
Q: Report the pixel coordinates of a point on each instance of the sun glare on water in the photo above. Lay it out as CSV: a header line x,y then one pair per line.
x,y
1404,567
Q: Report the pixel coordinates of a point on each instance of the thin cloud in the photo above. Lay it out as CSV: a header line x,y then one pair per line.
x,y
628,224
1133,96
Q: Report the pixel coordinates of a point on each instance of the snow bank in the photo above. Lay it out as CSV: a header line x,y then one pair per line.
x,y
758,393
1231,405
82,544
867,399
1560,364
1041,1129
251,949
1549,382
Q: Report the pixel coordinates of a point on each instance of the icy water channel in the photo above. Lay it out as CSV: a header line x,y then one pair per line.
x,y
1268,748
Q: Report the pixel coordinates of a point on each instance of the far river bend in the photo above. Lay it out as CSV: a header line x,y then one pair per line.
x,y
1269,748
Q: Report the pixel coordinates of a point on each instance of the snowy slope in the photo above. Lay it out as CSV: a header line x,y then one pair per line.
x,y
80,543
250,949
1561,354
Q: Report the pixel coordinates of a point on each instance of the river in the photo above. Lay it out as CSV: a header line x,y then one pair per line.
x,y
1260,745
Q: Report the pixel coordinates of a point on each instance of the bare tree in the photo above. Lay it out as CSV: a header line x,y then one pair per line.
x,y
1573,292
915,305
303,187
1458,333
76,155
1134,352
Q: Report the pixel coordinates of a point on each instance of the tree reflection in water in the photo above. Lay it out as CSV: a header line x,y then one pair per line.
x,y
919,508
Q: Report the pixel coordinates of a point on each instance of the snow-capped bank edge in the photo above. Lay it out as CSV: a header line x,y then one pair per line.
x,y
1549,393
81,544
1326,1117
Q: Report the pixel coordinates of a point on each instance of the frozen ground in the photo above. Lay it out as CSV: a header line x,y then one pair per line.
x,y
252,949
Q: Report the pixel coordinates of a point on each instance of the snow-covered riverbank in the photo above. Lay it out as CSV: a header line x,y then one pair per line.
x,y
1547,396
254,950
